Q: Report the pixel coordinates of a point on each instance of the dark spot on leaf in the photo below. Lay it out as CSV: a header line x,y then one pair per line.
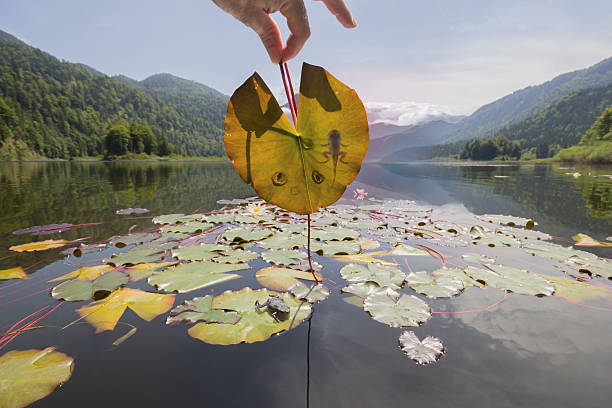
x,y
279,179
307,143
317,177
120,245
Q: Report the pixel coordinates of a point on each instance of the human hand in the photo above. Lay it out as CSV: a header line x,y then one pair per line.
x,y
256,15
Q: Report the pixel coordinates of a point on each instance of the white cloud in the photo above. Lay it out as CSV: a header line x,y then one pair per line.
x,y
405,113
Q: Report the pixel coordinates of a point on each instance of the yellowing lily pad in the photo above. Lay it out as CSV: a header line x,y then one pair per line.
x,y
283,278
144,270
253,326
105,314
587,241
40,245
85,273
27,376
366,257
304,170
13,273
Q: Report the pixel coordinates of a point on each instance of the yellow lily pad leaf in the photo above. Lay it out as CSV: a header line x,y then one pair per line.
x,y
86,272
305,169
144,270
575,291
283,278
13,273
39,245
105,314
27,376
367,257
587,241
253,326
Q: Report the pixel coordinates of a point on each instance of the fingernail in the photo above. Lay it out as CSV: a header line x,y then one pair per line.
x,y
354,22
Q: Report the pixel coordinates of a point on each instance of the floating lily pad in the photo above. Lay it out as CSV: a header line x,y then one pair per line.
x,y
27,376
597,267
235,256
128,211
477,258
382,275
283,240
577,291
422,352
194,275
457,274
130,239
144,270
39,245
442,286
13,273
335,247
253,326
312,294
168,218
495,239
200,252
334,234
363,289
44,229
188,227
587,241
407,250
511,279
366,257
83,289
105,314
508,220
284,256
246,234
558,252
220,218
368,244
140,254
278,278
397,310
200,309
86,272
524,234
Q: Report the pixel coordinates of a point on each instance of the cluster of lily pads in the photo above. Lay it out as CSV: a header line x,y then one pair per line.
x,y
375,239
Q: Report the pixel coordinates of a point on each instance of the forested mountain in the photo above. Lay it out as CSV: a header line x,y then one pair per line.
x,y
60,110
562,123
524,103
596,144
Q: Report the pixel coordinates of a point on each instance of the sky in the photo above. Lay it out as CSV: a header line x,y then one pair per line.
x,y
409,59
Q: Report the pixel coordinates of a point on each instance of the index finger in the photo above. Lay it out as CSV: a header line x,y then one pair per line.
x,y
297,21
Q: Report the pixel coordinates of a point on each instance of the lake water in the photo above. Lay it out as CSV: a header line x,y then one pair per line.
x,y
525,351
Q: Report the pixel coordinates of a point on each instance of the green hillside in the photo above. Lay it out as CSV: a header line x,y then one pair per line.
x,y
60,110
596,144
562,123
522,104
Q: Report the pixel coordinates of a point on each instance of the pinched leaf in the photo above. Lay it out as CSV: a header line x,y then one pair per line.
x,y
253,326
246,234
283,278
39,245
382,275
422,352
284,256
27,376
200,309
397,310
511,279
442,286
312,294
104,314
13,273
194,275
305,169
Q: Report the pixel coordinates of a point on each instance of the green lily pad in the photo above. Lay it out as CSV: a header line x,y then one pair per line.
x,y
283,240
382,275
407,250
168,218
253,326
508,220
284,256
477,258
494,239
457,274
597,267
246,234
442,286
278,278
84,289
130,239
364,289
427,351
200,252
27,376
188,227
235,256
194,275
312,294
525,235
200,309
397,310
511,279
140,254
220,218
335,247
559,252
334,234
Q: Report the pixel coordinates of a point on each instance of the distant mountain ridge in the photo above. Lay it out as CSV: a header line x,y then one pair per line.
x,y
59,109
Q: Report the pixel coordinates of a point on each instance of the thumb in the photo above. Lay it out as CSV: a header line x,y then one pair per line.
x,y
268,31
